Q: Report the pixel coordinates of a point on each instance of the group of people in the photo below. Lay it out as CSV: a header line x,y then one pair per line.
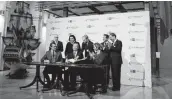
x,y
108,53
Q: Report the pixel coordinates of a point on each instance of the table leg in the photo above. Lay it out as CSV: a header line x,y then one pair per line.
x,y
87,91
37,79
40,80
37,84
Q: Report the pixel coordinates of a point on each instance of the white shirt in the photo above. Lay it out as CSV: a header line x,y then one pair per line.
x,y
56,42
114,42
75,53
53,53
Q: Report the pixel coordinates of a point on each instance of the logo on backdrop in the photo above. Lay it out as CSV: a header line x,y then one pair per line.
x,y
112,18
134,55
71,21
54,28
70,34
51,22
130,17
132,78
112,25
95,19
136,39
135,32
57,21
134,71
91,33
134,63
135,24
72,27
51,34
90,26
136,47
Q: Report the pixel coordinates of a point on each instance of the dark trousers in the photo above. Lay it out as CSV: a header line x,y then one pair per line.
x,y
116,75
70,78
54,71
93,77
108,74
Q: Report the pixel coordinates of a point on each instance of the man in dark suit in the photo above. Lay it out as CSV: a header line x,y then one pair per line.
x,y
87,46
72,58
59,44
53,57
116,61
106,49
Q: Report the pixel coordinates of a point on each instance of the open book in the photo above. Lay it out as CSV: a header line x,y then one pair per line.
x,y
75,60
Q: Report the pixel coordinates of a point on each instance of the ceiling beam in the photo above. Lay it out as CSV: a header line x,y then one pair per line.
x,y
95,10
120,7
74,13
136,9
52,13
100,4
56,9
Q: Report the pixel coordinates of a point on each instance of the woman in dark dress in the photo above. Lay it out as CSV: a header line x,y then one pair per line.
x,y
69,45
95,76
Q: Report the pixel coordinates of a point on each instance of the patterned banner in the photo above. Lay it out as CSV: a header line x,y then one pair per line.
x,y
131,28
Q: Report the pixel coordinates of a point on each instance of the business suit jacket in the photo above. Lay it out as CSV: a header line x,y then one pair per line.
x,y
86,47
69,48
101,58
115,52
48,56
59,46
71,55
107,47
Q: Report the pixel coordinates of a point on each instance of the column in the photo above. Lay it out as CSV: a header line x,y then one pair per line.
x,y
4,9
65,12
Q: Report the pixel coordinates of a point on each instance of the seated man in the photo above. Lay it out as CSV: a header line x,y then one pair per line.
x,y
73,57
53,57
96,75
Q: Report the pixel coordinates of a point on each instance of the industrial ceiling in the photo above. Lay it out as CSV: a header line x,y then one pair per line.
x,y
80,8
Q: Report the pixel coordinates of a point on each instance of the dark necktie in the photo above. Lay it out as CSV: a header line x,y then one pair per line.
x,y
53,54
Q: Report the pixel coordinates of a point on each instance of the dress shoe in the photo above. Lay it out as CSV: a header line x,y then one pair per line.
x,y
54,86
115,89
46,89
8,74
46,86
64,93
103,90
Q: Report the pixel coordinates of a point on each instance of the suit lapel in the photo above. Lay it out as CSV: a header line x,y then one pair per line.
x,y
49,55
116,43
57,55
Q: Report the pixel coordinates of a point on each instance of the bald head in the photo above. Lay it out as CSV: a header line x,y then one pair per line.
x,y
85,38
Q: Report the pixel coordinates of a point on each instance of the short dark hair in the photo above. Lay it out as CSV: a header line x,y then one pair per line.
x,y
73,37
51,45
107,36
113,34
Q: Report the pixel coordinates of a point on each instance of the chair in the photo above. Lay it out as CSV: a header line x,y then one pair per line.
x,y
98,82
57,83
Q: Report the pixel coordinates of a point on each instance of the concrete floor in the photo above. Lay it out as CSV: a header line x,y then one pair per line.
x,y
162,89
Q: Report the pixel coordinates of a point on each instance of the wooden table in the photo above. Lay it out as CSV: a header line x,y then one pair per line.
x,y
38,79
